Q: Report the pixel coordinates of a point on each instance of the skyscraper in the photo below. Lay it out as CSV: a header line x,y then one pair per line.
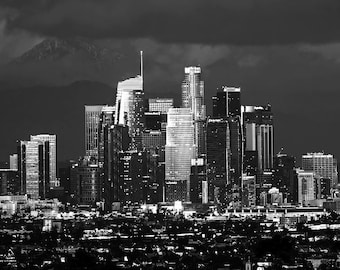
x,y
52,141
92,116
258,125
227,102
112,140
85,181
34,168
193,98
132,177
130,107
179,151
227,106
285,177
324,165
154,140
218,159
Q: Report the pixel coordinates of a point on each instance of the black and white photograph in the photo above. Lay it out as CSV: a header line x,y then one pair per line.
x,y
169,134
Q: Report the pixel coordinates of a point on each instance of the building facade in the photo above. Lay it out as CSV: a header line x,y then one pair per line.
x,y
323,165
130,108
85,181
259,135
160,104
179,150
52,141
306,186
193,98
92,117
218,159
34,168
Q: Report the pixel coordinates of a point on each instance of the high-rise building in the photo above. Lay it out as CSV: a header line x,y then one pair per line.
x,y
193,98
92,117
285,177
258,126
133,180
34,168
85,181
52,141
154,140
323,165
160,104
227,106
130,107
227,102
218,159
179,151
112,140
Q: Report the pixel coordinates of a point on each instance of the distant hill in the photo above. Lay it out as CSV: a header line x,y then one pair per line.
x,y
56,49
63,61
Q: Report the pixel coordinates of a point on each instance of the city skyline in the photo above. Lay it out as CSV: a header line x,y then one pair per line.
x,y
169,134
280,62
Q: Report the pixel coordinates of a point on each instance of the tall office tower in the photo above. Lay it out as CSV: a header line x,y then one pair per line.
x,y
52,141
92,116
193,98
227,102
154,139
306,186
258,125
285,177
155,123
112,140
132,177
130,107
227,106
218,159
34,168
109,143
323,165
106,119
179,150
13,162
85,181
160,104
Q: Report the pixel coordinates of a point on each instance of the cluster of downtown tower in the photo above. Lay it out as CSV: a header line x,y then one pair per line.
x,y
141,151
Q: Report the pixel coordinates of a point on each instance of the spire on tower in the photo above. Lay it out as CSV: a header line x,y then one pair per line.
x,y
141,64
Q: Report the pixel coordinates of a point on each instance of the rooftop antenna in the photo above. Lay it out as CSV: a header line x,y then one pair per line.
x,y
141,64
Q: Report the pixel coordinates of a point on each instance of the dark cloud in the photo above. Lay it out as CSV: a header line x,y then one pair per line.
x,y
246,22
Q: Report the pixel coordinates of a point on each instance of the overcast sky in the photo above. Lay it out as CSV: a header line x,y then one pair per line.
x,y
282,52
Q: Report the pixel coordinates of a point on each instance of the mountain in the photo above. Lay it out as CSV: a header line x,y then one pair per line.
x,y
55,49
56,62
